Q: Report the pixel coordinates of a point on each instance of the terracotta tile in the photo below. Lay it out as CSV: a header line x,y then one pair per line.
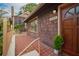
x,y
23,40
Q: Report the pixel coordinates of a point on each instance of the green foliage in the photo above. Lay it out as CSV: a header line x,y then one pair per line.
x,y
28,7
1,33
58,42
1,42
1,36
2,13
20,12
18,27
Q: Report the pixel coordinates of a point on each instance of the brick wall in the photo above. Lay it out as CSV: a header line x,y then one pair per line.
x,y
47,29
30,33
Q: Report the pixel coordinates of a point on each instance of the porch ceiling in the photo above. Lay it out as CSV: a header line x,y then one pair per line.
x,y
42,8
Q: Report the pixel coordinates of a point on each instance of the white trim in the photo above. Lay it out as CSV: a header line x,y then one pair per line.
x,y
31,53
11,50
58,20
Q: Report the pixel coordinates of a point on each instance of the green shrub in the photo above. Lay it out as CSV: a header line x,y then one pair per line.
x,y
1,33
1,42
58,42
18,27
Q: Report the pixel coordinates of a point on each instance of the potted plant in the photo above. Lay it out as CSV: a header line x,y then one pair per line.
x,y
58,42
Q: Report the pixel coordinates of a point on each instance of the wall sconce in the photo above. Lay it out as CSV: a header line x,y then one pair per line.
x,y
54,11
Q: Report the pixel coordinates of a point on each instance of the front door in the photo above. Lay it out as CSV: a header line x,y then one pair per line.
x,y
70,28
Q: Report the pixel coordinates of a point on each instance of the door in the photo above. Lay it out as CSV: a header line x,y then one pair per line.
x,y
70,28
77,28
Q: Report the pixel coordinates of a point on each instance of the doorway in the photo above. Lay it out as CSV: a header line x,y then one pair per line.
x,y
70,28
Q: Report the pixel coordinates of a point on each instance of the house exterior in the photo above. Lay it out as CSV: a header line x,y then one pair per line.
x,y
42,25
51,19
18,20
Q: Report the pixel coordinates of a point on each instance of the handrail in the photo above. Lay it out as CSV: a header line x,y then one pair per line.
x,y
28,46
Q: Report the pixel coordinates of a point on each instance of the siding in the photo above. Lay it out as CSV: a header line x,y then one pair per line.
x,y
47,29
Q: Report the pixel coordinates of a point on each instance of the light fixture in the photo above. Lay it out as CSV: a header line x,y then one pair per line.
x,y
54,11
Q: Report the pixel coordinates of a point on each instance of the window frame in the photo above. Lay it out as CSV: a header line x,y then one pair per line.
x,y
71,14
65,14
35,31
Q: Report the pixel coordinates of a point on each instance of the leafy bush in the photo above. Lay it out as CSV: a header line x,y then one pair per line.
x,y
1,47
58,42
18,27
1,33
1,42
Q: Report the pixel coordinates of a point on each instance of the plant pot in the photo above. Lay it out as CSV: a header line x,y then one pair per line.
x,y
56,51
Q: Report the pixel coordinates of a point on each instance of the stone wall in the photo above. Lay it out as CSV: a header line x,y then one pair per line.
x,y
47,29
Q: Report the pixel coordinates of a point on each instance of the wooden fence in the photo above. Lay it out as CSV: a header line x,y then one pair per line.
x,y
7,35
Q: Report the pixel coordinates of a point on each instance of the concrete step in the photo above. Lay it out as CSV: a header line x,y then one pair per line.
x,y
31,53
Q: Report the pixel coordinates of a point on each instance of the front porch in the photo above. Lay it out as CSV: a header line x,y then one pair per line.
x,y
25,44
43,24
39,35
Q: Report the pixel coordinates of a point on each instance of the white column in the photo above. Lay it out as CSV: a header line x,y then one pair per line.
x,y
25,25
59,21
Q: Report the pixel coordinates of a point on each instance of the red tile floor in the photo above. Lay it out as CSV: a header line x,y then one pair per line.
x,y
23,40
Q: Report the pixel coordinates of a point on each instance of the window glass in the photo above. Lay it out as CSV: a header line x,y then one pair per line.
x,y
34,26
77,9
72,11
69,12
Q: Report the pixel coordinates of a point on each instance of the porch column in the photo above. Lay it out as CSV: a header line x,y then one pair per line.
x,y
59,21
25,24
28,27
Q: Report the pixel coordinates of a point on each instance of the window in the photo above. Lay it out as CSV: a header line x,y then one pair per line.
x,y
77,10
69,12
34,26
67,15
